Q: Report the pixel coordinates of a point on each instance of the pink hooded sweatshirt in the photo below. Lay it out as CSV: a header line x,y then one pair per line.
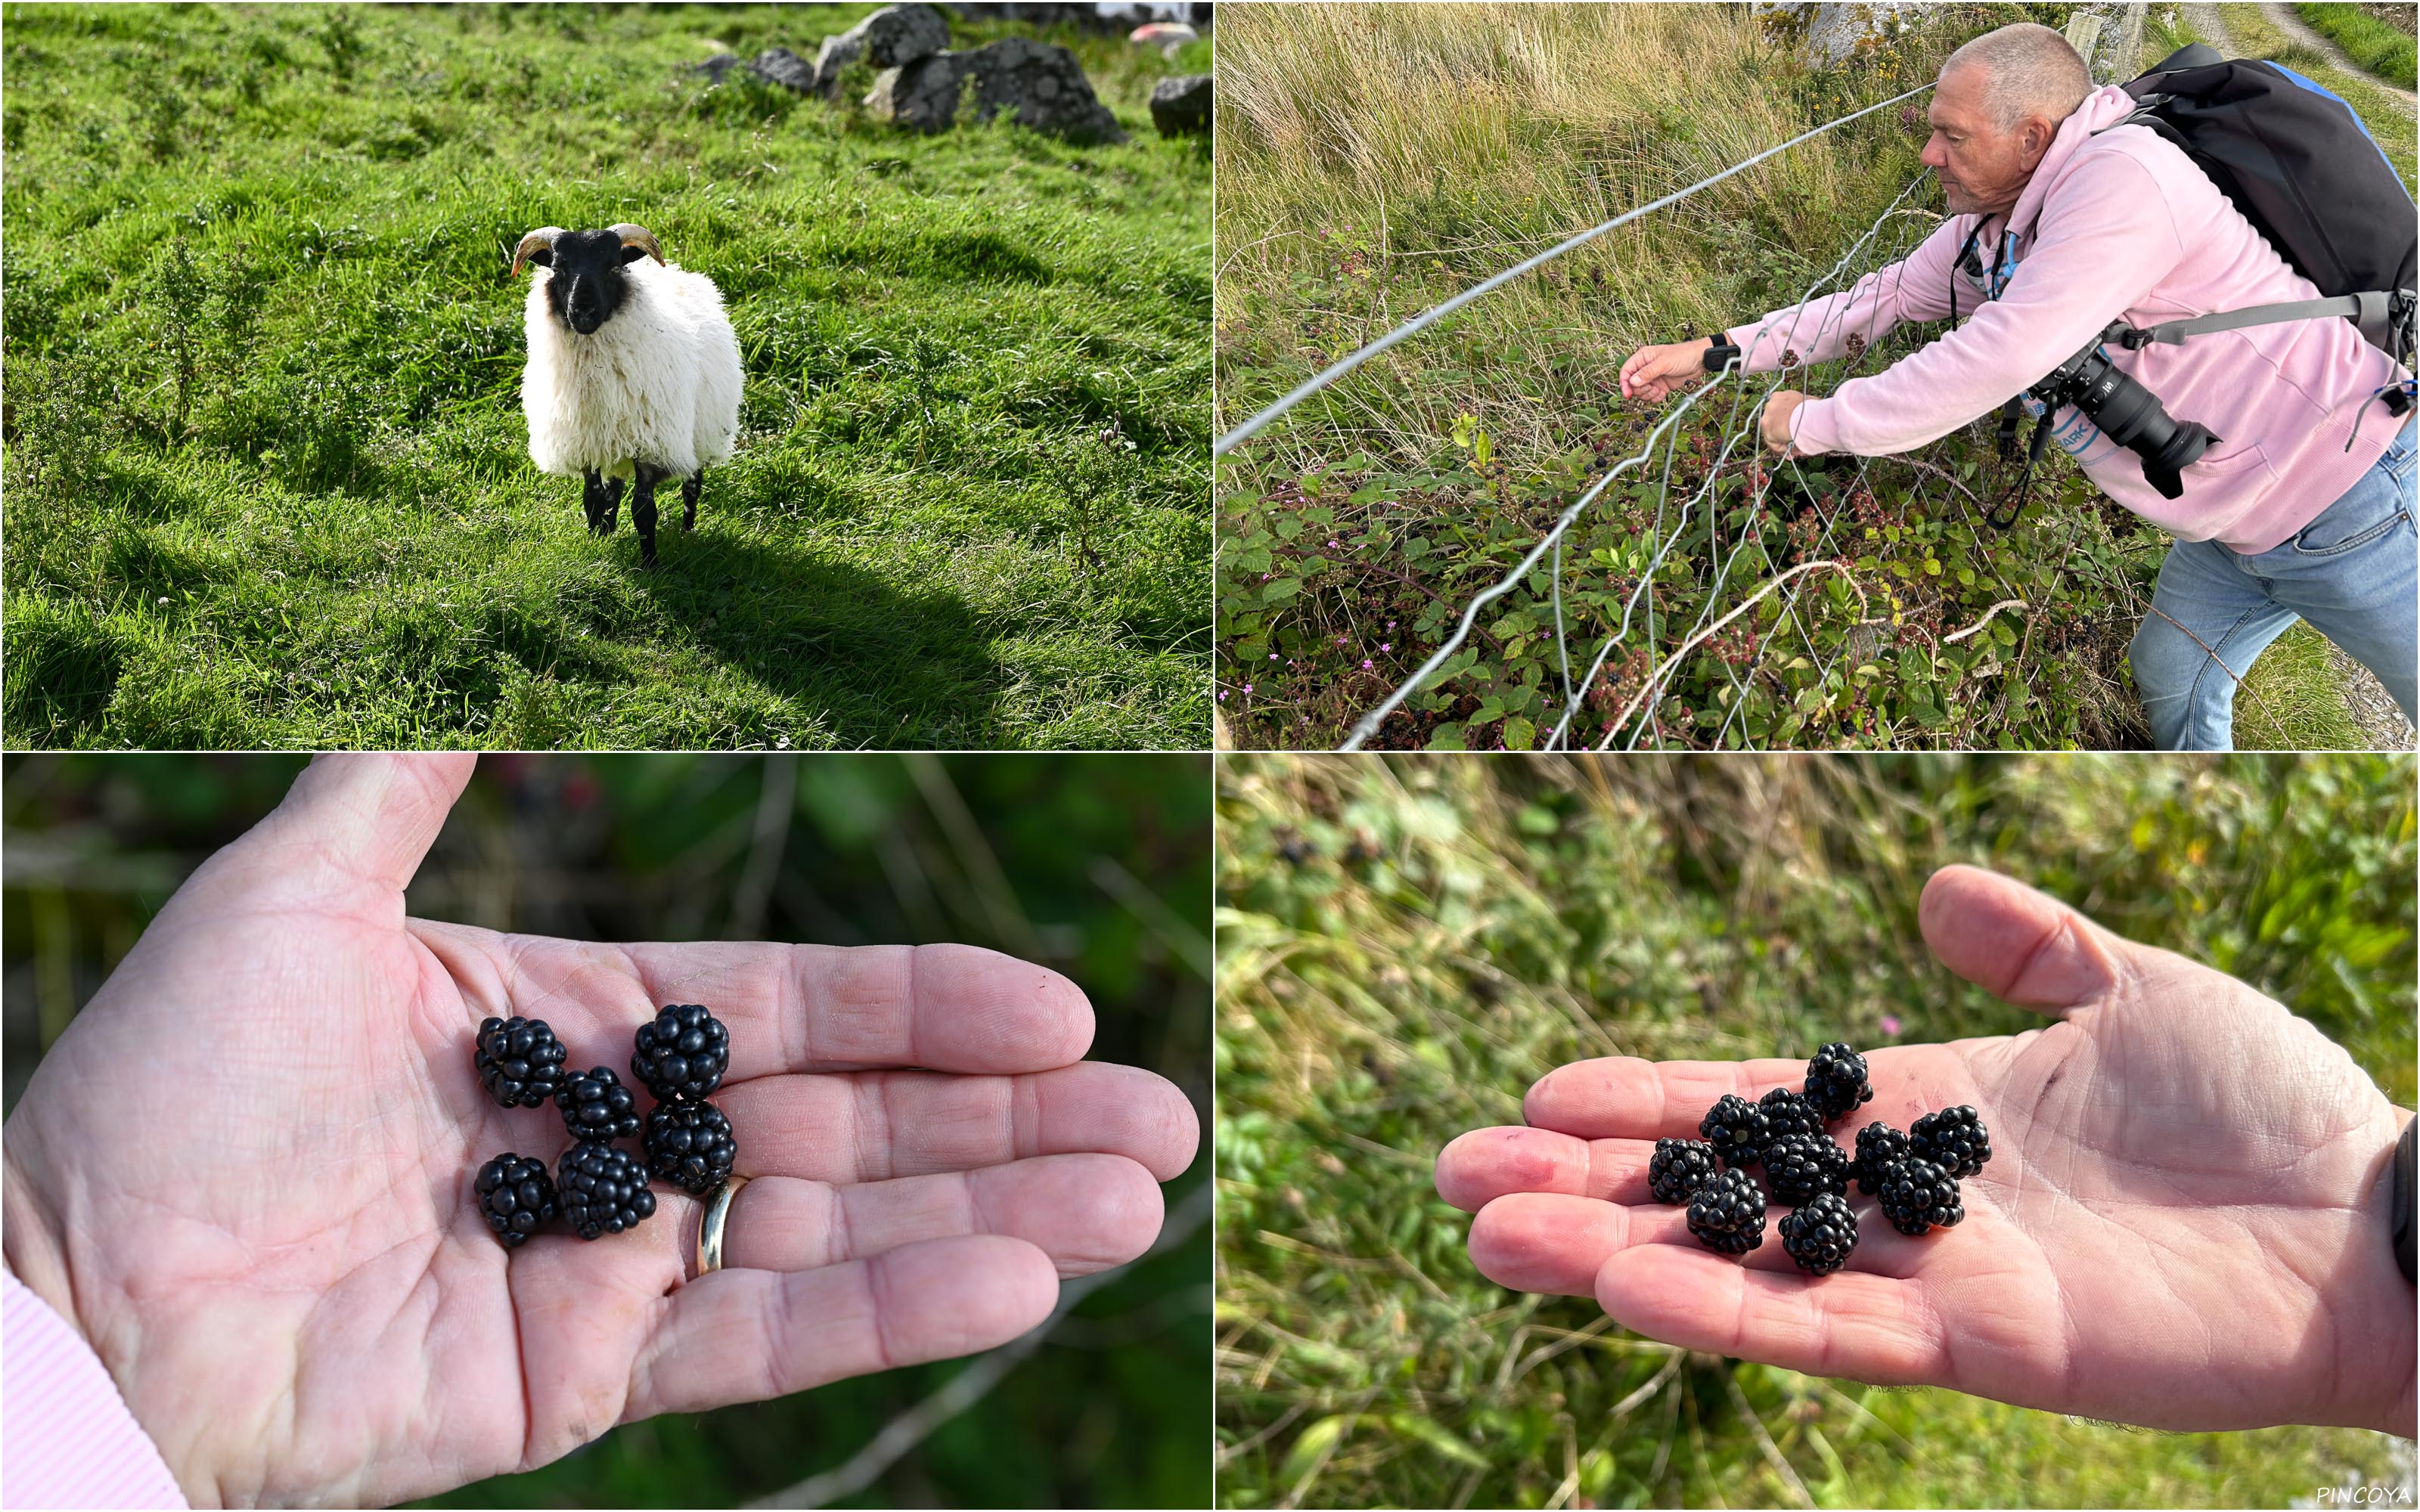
x,y
2117,224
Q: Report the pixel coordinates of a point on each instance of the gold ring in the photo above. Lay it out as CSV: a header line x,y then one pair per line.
x,y
709,1231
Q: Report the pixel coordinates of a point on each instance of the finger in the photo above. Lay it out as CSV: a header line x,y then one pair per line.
x,y
1536,1241
1087,1213
1622,1097
1866,1327
742,1335
370,817
2022,945
789,1007
877,1126
1486,1164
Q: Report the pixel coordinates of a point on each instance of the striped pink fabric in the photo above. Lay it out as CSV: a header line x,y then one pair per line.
x,y
67,1436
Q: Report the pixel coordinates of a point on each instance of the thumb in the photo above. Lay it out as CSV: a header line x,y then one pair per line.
x,y
2022,945
370,817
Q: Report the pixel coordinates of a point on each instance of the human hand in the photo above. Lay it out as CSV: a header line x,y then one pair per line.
x,y
2183,1224
1778,423
244,1172
1653,373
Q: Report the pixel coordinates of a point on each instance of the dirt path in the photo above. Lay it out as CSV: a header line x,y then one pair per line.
x,y
2285,20
2373,712
2210,28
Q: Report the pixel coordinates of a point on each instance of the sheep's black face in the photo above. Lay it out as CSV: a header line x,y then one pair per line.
x,y
588,285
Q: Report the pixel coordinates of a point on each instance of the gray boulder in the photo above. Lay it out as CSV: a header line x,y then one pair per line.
x,y
890,37
1180,106
779,65
1039,84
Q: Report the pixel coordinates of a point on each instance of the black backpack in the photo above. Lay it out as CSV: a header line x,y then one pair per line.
x,y
2302,169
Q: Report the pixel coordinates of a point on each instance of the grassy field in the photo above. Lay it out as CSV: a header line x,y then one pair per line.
x,y
267,474
1374,163
2376,37
1100,866
1406,944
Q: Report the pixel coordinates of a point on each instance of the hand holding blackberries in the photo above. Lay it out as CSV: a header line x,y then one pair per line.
x,y
341,1264
2167,1206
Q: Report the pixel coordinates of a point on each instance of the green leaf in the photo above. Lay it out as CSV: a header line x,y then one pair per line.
x,y
1519,734
1279,589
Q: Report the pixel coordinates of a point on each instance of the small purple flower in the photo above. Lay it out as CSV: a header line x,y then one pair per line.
x,y
1890,1024
1365,664
1335,546
1386,645
1273,655
1222,695
1248,690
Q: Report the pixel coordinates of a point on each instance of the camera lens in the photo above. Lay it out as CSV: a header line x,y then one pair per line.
x,y
2130,415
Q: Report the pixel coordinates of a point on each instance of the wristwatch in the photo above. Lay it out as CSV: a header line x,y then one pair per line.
x,y
1719,356
2403,1199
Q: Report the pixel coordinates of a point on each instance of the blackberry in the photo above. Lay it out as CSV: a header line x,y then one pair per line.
x,y
1917,1194
1953,1139
1836,1081
1679,1167
1880,1146
1736,1128
682,1054
1786,1112
1727,1213
519,1061
596,1106
515,1197
689,1144
1802,1166
1821,1234
604,1189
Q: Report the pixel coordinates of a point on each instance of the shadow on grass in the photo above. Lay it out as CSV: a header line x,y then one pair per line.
x,y
875,665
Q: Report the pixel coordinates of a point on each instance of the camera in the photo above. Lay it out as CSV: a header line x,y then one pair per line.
x,y
2129,414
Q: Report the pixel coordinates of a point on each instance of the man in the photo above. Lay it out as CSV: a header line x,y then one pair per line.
x,y
2304,507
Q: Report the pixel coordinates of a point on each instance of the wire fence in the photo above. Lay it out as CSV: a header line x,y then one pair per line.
x,y
1744,571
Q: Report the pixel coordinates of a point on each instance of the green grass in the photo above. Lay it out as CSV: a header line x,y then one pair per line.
x,y
1097,866
1406,944
267,482
1373,163
2367,40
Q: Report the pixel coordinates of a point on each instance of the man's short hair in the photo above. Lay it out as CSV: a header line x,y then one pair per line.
x,y
2027,71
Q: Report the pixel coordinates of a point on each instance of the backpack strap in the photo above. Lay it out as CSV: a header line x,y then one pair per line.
x,y
2371,310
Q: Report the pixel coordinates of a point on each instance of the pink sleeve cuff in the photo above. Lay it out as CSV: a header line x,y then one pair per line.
x,y
67,1436
1811,431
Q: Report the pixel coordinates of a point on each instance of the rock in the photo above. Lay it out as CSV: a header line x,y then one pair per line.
x,y
2115,52
717,65
1829,35
892,37
779,65
1181,105
1040,84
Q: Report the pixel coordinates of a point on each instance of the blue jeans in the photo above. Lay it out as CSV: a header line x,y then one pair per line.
x,y
2354,573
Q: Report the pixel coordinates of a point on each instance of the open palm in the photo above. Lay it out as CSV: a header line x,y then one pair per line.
x,y
244,1173
2183,1225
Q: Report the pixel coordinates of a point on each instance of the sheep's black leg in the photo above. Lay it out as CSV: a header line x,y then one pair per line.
x,y
688,498
643,510
592,499
609,506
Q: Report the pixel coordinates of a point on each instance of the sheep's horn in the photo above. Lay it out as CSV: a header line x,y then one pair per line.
x,y
640,237
543,237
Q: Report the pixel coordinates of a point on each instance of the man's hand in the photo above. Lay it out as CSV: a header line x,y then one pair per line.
x,y
244,1172
2183,1224
1780,421
1653,373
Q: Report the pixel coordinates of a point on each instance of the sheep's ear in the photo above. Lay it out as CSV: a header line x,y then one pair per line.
x,y
543,258
631,254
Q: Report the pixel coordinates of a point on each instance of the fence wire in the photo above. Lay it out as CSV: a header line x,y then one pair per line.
x,y
1735,429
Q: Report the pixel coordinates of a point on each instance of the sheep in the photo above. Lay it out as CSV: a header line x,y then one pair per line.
x,y
634,372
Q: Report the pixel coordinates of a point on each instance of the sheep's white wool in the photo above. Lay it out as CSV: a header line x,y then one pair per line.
x,y
657,383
